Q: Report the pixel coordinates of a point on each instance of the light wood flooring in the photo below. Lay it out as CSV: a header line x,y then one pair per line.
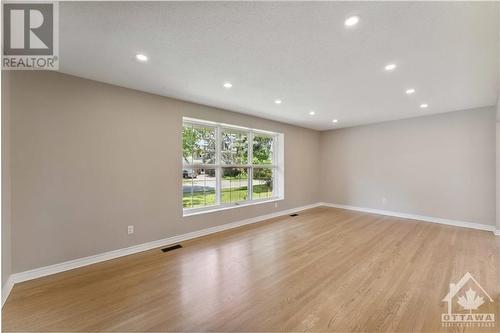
x,y
325,270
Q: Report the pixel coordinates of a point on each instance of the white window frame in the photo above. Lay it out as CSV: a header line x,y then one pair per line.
x,y
277,166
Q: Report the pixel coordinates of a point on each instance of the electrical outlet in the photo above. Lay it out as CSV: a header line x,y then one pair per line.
x,y
384,200
275,205
130,229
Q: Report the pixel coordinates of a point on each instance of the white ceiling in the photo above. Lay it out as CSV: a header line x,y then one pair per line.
x,y
299,52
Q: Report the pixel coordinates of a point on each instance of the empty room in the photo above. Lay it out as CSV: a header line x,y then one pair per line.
x,y
250,166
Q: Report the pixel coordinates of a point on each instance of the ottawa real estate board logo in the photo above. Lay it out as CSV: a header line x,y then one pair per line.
x,y
30,39
465,300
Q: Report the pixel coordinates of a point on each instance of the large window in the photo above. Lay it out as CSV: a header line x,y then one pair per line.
x,y
225,165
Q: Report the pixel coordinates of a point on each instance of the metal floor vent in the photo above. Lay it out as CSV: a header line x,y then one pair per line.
x,y
293,215
170,248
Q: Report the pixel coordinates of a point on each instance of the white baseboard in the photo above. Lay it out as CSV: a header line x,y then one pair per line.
x,y
7,288
72,264
417,217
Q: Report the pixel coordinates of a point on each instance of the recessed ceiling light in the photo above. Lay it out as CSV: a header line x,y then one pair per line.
x,y
312,113
390,67
410,91
335,121
141,57
351,21
277,101
424,106
227,85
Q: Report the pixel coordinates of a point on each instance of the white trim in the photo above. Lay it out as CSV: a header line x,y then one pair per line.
x,y
217,208
279,156
250,169
431,219
218,170
7,288
218,166
202,122
72,264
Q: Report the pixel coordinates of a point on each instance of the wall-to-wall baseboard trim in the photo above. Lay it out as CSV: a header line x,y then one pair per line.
x,y
431,219
72,264
7,288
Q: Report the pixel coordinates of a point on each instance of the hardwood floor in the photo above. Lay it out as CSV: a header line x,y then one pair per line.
x,y
325,270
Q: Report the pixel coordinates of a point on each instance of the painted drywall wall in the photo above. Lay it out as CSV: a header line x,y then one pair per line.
x,y
498,161
6,193
439,166
498,135
89,159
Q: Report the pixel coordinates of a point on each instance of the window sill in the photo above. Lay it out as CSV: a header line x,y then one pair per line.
x,y
199,211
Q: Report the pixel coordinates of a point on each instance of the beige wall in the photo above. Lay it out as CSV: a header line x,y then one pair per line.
x,y
498,137
498,175
440,166
498,161
6,193
89,159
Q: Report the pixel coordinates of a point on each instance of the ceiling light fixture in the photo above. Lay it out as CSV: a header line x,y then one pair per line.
x,y
277,101
424,106
335,121
390,67
141,57
351,21
312,113
410,91
227,85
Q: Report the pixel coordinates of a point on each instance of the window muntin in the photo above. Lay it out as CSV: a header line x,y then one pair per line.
x,y
234,185
226,165
234,147
198,144
263,149
262,183
198,187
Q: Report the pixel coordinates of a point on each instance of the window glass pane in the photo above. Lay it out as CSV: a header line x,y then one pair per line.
x,y
198,187
198,144
262,183
262,149
234,185
217,164
234,149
